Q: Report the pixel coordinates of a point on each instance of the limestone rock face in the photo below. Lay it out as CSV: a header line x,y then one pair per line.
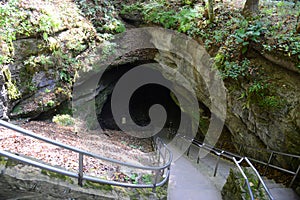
x,y
3,97
44,54
271,127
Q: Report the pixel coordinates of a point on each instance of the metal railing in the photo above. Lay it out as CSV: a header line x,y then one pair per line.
x,y
270,159
164,155
233,157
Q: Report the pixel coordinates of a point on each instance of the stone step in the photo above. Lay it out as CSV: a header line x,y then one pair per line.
x,y
284,194
270,183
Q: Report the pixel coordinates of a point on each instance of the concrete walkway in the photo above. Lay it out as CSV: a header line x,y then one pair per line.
x,y
192,181
186,182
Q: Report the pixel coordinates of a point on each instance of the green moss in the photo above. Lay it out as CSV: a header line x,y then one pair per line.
x,y
56,175
147,193
8,162
12,90
90,184
17,109
3,160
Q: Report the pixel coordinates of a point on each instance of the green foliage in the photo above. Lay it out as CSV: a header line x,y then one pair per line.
x,y
133,178
243,36
34,63
102,14
12,90
261,93
160,12
63,120
147,178
50,103
288,43
280,32
231,69
258,193
18,21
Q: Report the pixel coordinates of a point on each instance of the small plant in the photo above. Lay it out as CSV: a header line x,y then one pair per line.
x,y
245,36
50,103
147,178
63,120
233,69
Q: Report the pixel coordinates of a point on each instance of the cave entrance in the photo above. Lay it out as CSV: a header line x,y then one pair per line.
x,y
140,102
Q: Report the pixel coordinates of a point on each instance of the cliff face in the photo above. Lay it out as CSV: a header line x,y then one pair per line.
x,y
52,41
40,45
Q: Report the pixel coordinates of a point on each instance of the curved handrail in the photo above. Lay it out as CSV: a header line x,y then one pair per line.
x,y
261,149
259,177
237,163
159,143
268,164
231,156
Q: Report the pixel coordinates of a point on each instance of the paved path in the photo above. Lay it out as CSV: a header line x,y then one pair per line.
x,y
186,182
192,181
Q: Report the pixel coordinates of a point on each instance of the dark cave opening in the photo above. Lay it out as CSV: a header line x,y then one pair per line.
x,y
140,103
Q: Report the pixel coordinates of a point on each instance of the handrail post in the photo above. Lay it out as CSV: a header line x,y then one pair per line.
x,y
165,155
295,176
240,149
188,151
269,162
217,164
198,158
80,173
267,166
155,180
158,151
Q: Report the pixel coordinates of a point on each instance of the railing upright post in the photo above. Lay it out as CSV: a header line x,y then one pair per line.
x,y
155,181
295,176
158,151
80,173
240,149
269,161
217,164
165,155
198,158
188,151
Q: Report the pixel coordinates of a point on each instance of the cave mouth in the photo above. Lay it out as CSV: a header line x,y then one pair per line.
x,y
140,102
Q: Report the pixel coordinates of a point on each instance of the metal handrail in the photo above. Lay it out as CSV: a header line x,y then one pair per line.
x,y
159,143
261,149
237,163
268,164
232,157
259,177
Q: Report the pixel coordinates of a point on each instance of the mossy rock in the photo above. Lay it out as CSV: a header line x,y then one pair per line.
x,y
93,185
57,175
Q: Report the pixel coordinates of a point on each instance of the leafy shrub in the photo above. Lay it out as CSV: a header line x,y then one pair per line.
x,y
63,120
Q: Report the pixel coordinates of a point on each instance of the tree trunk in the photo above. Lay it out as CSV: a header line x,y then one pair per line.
x,y
250,8
211,10
298,24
